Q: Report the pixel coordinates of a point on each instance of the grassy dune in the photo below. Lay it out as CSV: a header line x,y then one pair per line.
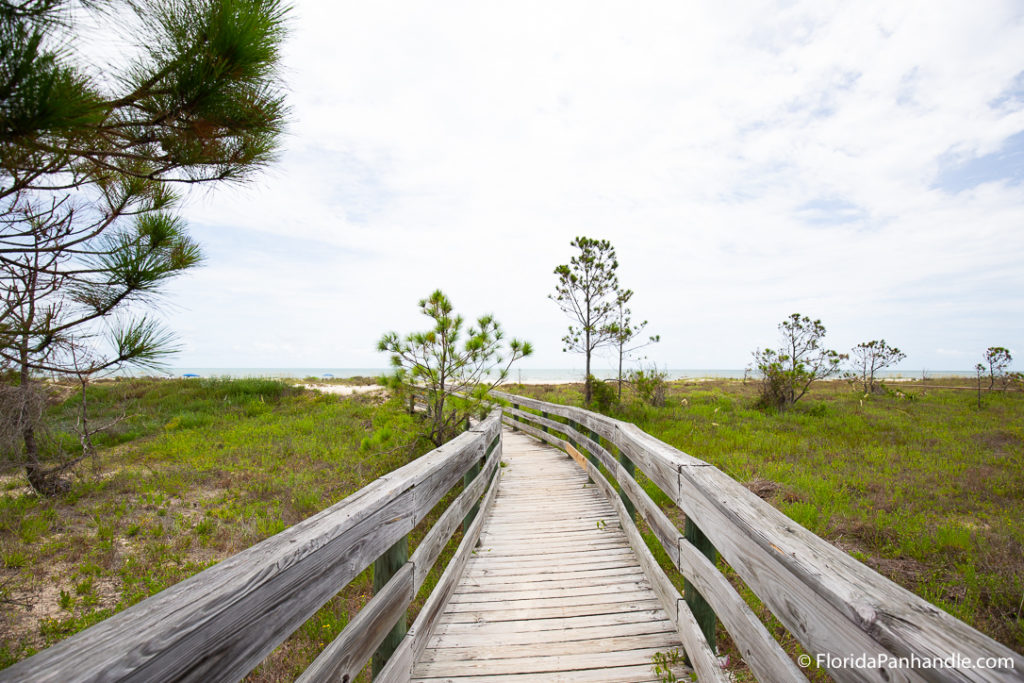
x,y
918,483
196,471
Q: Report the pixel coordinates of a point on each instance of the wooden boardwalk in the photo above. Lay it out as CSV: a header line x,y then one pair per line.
x,y
553,592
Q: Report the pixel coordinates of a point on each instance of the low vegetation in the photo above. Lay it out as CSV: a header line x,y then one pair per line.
x,y
786,373
453,372
916,482
196,471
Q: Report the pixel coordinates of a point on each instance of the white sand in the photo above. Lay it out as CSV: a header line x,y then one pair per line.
x,y
344,389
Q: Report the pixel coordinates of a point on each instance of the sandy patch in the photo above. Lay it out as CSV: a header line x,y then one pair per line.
x,y
344,389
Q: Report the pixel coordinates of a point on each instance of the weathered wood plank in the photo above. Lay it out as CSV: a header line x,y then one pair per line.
x,y
399,667
665,640
541,523
698,651
592,538
566,635
701,656
653,614
830,602
578,610
553,663
433,543
434,606
644,453
760,650
464,604
222,622
530,580
758,640
348,653
501,569
634,674
552,559
581,584
513,598
547,553
539,615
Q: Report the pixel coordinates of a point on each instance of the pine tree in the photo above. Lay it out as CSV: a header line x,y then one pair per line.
x,y
586,291
624,332
88,232
452,365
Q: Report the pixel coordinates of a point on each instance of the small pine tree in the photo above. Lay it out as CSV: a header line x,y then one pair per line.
x,y
624,331
870,357
586,292
455,376
787,372
997,358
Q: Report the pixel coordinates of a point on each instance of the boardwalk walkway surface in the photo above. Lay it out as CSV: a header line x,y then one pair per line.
x,y
553,592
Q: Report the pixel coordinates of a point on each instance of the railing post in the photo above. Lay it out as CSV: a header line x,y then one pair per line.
x,y
698,605
384,567
596,439
467,479
544,427
630,468
515,418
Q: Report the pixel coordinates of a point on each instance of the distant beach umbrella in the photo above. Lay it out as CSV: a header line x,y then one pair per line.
x,y
327,375
190,374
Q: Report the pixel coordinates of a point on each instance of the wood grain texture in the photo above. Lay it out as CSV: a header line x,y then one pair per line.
x,y
701,655
221,623
549,591
348,653
761,652
830,602
433,543
399,667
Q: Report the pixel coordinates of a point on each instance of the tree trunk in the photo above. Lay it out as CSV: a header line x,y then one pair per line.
x,y
620,373
587,389
43,482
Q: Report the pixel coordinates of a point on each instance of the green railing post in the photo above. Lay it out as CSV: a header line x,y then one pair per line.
x,y
467,479
384,567
630,468
590,456
698,605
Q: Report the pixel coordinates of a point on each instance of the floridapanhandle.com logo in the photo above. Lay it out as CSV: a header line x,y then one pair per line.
x,y
887,661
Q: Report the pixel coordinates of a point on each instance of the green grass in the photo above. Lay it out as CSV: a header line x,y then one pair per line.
x,y
918,483
195,471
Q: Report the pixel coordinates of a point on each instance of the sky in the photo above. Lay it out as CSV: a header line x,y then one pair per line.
x,y
860,163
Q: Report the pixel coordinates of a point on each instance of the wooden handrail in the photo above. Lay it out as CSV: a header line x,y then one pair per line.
x,y
840,610
222,622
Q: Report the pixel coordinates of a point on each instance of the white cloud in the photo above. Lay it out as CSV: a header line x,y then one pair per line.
x,y
463,145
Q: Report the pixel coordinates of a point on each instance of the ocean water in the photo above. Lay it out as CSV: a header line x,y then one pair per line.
x,y
530,375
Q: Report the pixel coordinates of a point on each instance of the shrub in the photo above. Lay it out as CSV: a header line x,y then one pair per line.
x,y
787,373
649,385
602,396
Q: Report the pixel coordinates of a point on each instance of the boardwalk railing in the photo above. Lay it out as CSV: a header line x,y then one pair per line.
x,y
221,623
855,623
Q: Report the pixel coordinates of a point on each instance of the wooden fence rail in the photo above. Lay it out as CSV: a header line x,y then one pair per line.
x,y
221,623
857,624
